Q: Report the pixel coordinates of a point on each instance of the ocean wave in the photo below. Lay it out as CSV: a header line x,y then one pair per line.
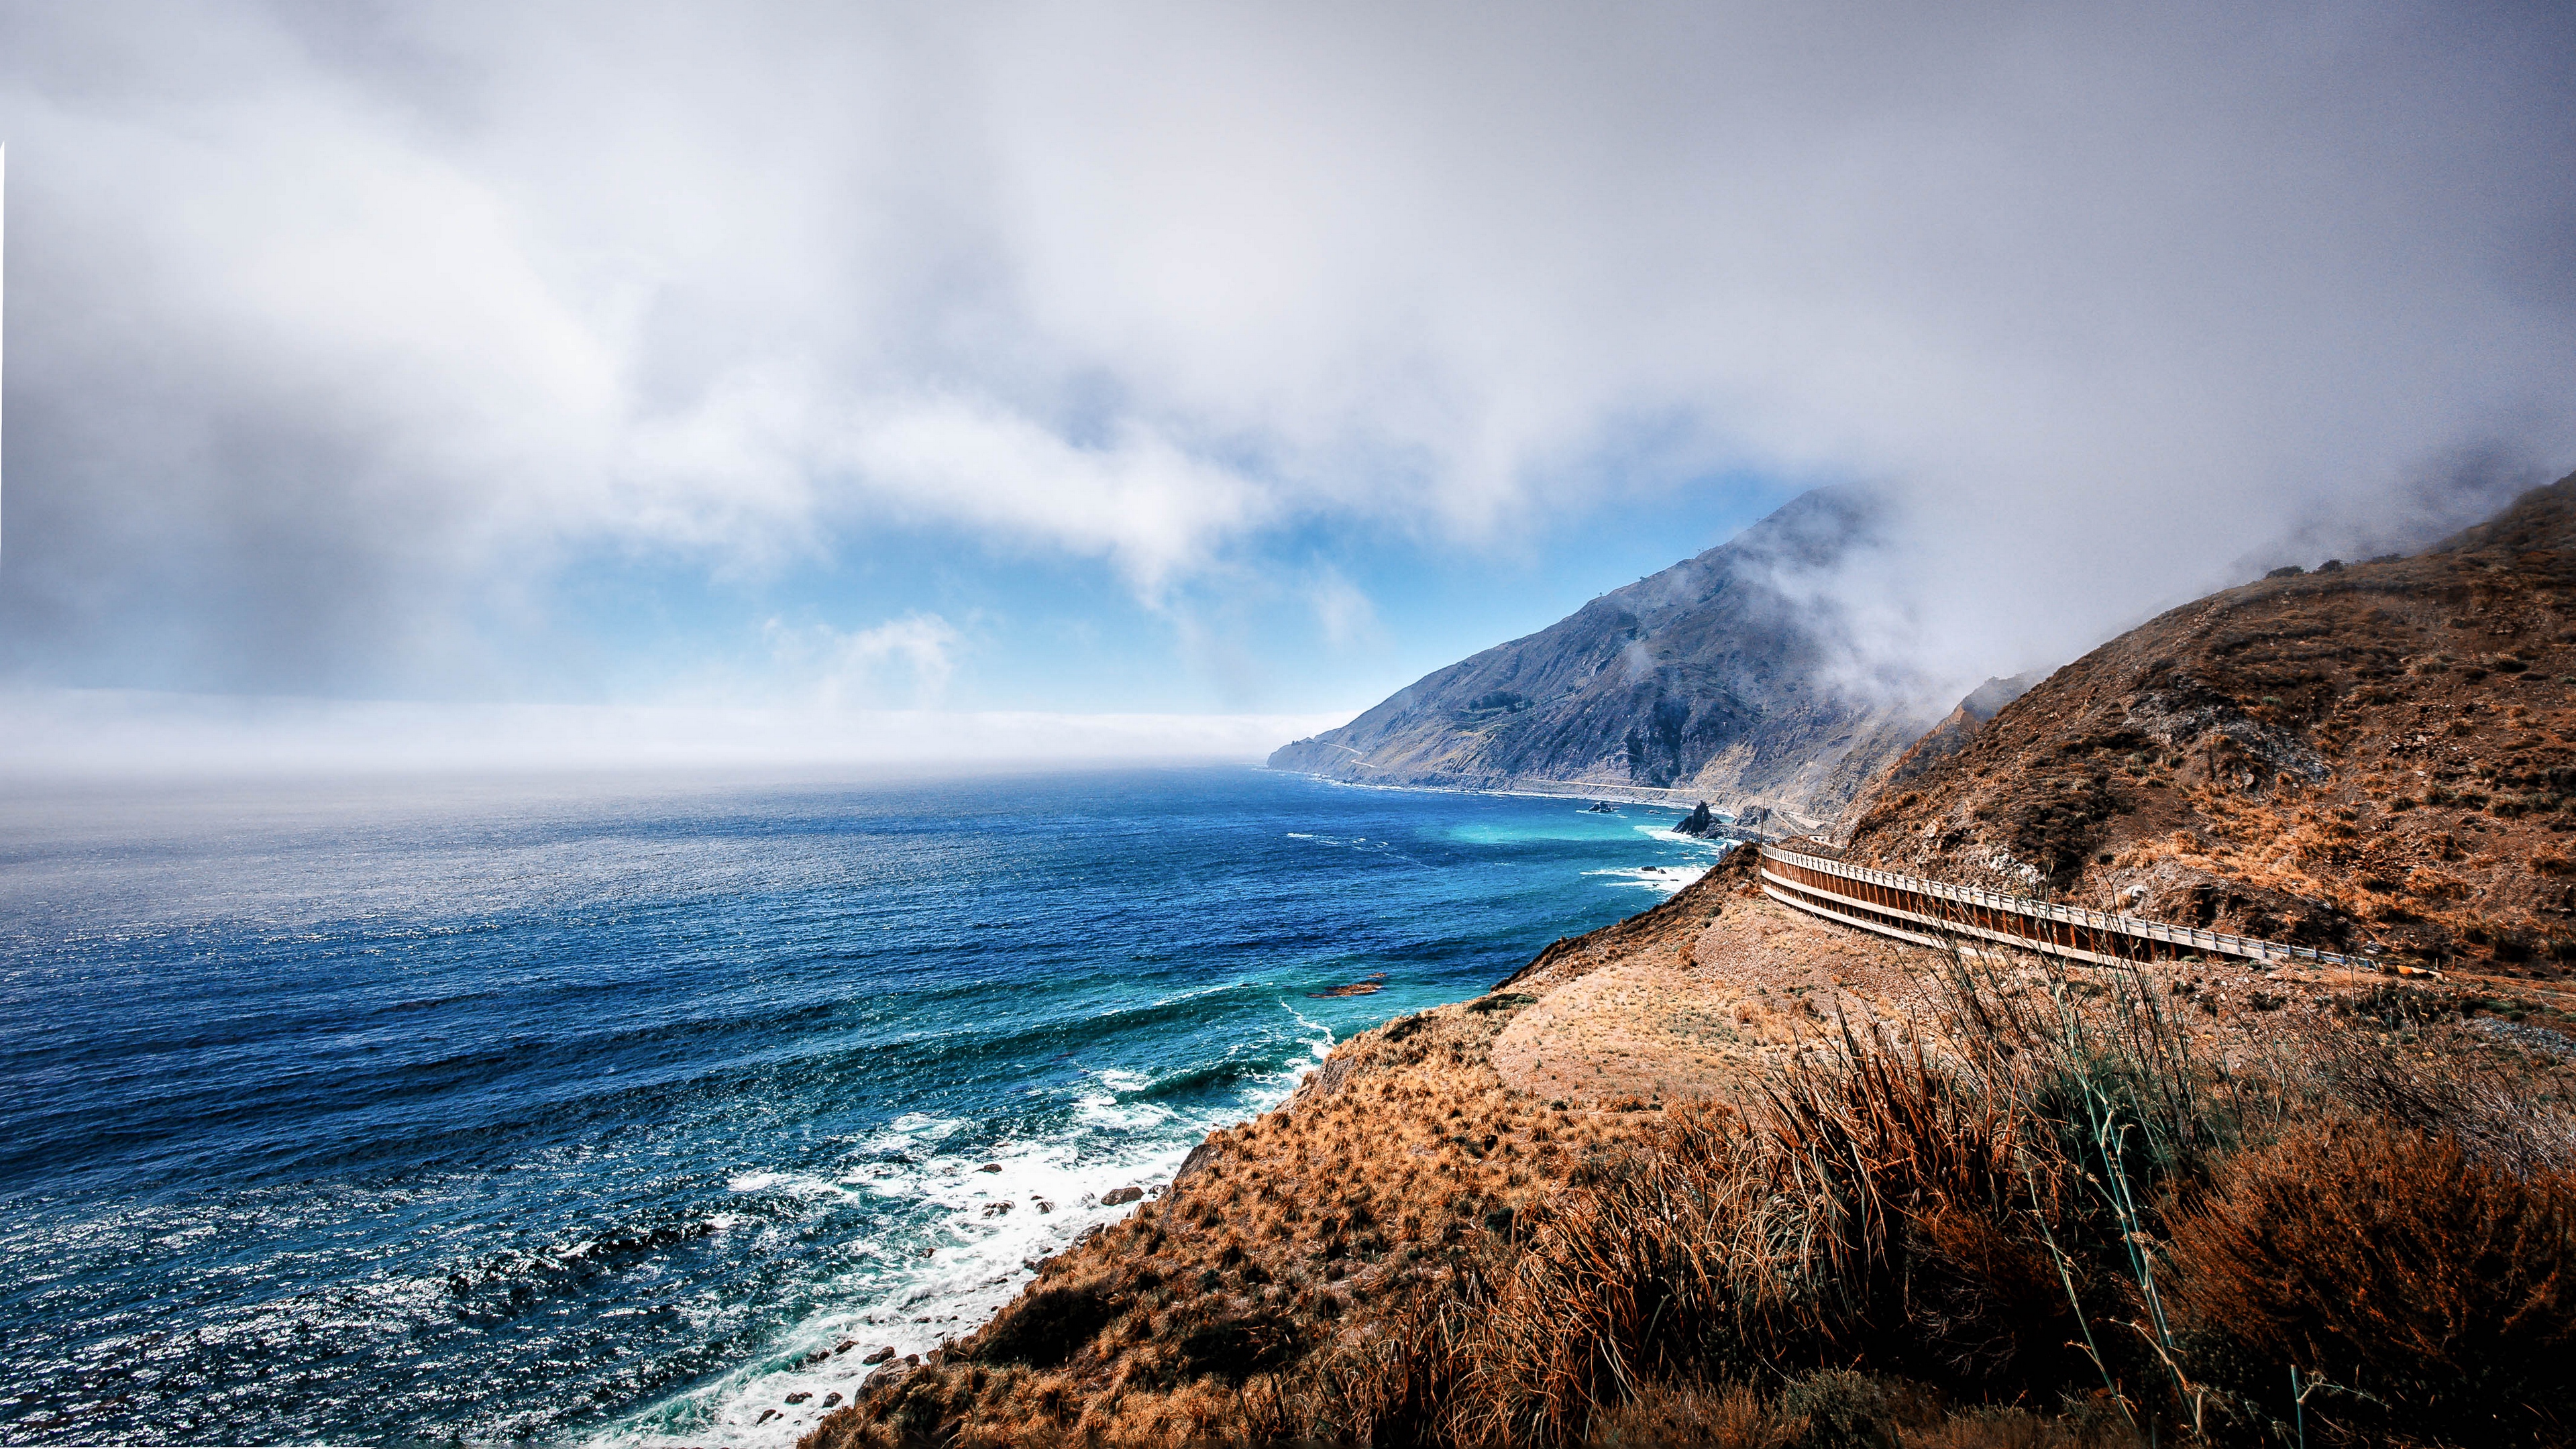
x,y
1666,880
982,1220
988,1223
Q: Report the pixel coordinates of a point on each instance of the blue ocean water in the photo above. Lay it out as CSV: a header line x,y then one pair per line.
x,y
607,1112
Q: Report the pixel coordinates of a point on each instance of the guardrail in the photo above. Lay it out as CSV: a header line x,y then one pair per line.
x,y
1933,913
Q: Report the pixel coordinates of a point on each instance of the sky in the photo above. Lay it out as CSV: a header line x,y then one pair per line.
x,y
1206,372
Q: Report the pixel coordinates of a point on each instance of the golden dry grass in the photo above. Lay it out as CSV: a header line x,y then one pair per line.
x,y
1422,1248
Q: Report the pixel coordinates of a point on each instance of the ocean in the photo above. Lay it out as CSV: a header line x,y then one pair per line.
x,y
592,1112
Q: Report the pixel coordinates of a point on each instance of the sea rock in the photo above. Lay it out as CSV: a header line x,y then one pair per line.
x,y
1702,822
829,1400
882,1355
800,1396
1200,1156
990,1167
1121,1196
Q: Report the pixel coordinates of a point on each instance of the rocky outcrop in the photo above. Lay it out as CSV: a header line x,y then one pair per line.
x,y
1707,677
1702,822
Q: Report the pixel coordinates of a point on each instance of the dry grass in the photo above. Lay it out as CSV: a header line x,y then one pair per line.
x,y
2002,1226
2061,1213
2438,1288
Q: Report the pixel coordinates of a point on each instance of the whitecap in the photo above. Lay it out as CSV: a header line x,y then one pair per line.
x,y
1665,879
927,1125
980,1252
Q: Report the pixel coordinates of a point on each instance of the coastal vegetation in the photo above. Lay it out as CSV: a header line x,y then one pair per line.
x,y
2060,1210
1725,1174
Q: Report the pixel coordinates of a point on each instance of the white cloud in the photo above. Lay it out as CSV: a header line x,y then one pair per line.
x,y
1137,497
907,661
1344,613
329,322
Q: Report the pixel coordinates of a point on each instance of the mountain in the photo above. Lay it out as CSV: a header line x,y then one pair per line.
x,y
1952,734
2377,753
1706,678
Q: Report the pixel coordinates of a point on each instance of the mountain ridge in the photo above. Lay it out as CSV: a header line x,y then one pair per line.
x,y
1705,678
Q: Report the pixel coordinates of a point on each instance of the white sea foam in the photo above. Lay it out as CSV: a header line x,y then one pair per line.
x,y
1665,879
979,1233
1320,1044
795,1184
921,1122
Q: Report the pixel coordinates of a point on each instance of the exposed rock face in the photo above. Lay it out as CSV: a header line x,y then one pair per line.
x,y
1705,677
2370,753
1702,822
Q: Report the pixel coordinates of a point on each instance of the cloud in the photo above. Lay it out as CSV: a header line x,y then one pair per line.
x,y
908,659
338,328
1342,611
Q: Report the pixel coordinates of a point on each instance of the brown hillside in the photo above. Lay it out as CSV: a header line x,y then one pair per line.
x,y
1418,1159
1727,1173
1421,1164
2370,754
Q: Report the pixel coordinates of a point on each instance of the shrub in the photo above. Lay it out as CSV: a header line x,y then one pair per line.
x,y
2393,1263
1843,1410
1046,1326
1236,1348
1660,1415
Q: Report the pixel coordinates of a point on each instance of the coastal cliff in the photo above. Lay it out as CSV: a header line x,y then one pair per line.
x,y
1729,1173
1707,677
